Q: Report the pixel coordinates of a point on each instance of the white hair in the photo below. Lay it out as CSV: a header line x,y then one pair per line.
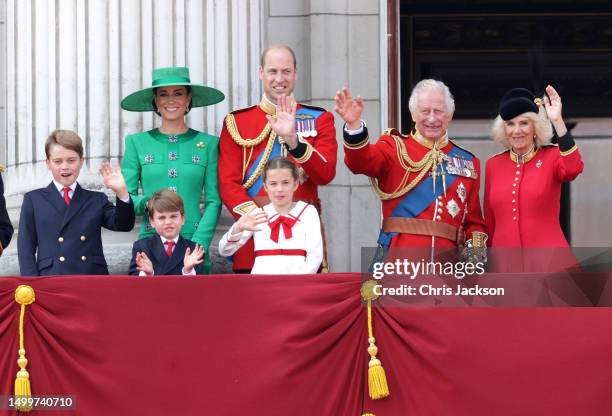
x,y
542,127
431,84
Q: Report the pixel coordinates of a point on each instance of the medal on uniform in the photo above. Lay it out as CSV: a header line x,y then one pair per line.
x,y
313,130
200,145
306,130
461,192
471,172
453,208
459,166
305,126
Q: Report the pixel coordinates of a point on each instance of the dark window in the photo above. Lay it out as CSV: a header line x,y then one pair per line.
x,y
481,49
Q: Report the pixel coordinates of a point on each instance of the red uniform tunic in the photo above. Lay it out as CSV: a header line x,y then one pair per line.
x,y
522,198
459,207
315,155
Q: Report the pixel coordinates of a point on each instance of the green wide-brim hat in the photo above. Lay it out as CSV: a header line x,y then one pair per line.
x,y
201,95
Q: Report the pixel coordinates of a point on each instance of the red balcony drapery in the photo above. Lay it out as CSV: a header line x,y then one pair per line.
x,y
235,345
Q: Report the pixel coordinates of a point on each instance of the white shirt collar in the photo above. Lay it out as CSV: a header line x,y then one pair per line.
x,y
60,187
163,239
272,213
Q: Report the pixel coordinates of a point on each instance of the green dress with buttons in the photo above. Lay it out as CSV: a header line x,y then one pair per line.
x,y
185,163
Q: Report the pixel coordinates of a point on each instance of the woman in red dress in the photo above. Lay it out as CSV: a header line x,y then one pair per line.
x,y
523,183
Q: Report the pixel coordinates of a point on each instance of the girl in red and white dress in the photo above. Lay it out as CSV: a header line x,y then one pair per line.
x,y
287,234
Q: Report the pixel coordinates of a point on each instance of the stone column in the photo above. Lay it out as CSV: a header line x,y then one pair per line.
x,y
69,63
340,43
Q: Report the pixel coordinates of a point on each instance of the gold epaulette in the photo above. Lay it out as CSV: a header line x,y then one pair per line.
x,y
2,168
392,132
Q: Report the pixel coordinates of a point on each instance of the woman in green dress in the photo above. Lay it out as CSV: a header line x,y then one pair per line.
x,y
174,156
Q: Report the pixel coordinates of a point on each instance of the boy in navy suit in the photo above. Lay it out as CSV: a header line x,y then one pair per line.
x,y
167,252
60,225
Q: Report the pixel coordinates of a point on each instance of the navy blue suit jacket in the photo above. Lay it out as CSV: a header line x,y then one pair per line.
x,y
6,228
156,252
55,238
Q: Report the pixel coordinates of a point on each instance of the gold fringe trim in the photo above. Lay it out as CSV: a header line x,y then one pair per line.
x,y
24,295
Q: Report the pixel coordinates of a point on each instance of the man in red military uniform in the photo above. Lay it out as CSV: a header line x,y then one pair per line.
x,y
278,125
428,185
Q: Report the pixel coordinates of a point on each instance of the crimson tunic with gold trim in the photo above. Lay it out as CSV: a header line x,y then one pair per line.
x,y
522,197
459,207
315,155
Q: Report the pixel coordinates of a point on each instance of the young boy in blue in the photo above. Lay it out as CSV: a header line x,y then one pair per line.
x,y
60,225
166,252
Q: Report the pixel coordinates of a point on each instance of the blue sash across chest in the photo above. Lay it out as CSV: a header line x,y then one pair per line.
x,y
301,114
421,196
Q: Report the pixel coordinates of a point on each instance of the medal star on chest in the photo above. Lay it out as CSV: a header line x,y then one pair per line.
x,y
461,192
453,208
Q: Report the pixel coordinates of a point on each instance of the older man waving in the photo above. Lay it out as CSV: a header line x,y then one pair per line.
x,y
428,185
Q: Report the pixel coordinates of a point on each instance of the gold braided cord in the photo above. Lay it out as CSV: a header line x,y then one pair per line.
x,y
404,157
262,161
422,166
370,331
244,164
230,123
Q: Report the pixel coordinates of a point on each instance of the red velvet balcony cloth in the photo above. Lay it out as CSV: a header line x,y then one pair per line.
x,y
236,345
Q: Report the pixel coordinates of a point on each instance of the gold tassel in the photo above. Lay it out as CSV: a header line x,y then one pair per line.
x,y
368,414
377,379
24,295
